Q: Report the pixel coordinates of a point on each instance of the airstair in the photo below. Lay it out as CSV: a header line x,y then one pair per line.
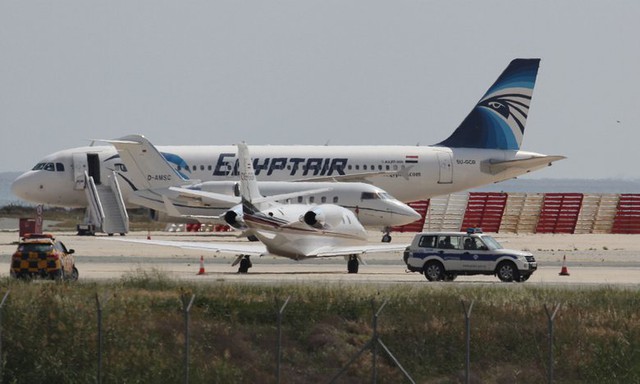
x,y
106,211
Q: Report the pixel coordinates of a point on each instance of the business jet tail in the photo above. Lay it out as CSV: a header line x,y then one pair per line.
x,y
499,118
249,191
151,170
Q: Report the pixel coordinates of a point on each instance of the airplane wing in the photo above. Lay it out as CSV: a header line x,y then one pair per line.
x,y
235,248
360,177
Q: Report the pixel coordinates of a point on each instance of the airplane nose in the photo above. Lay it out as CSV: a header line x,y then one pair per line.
x,y
24,186
404,214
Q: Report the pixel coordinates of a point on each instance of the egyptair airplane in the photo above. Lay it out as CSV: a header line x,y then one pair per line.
x,y
295,231
484,149
212,200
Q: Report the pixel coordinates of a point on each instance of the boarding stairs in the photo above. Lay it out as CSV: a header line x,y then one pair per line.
x,y
106,209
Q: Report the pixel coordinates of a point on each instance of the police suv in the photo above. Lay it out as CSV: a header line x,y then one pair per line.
x,y
445,255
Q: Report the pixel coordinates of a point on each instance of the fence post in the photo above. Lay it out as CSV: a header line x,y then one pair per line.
x,y
374,352
467,322
279,349
550,319
375,339
1,356
186,307
99,311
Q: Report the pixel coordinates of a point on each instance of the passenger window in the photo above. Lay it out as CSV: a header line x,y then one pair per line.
x,y
364,167
323,199
209,167
357,167
387,167
59,167
194,167
202,167
299,199
395,167
311,199
427,242
335,199
179,168
379,167
349,167
448,242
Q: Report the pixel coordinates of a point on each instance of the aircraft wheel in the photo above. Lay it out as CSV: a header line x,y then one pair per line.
x,y
252,238
353,264
386,238
245,264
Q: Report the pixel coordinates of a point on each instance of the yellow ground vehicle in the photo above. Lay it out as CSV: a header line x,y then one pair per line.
x,y
40,255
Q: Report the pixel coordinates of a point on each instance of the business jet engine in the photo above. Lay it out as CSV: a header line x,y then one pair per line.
x,y
233,217
325,216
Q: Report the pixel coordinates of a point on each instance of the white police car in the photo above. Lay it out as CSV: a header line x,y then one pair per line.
x,y
445,255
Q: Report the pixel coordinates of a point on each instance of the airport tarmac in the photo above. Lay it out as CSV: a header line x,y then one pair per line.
x,y
597,259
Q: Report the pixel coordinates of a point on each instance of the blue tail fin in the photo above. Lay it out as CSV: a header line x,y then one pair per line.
x,y
499,118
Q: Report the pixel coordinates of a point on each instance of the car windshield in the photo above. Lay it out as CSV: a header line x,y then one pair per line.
x,y
35,247
491,242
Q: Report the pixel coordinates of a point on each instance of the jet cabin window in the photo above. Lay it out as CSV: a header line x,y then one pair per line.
x,y
59,167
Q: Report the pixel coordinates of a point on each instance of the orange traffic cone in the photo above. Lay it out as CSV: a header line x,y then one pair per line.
x,y
201,271
564,271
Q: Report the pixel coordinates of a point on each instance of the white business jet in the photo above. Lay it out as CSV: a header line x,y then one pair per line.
x,y
484,149
212,200
295,231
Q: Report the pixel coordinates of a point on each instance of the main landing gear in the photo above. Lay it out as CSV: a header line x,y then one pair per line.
x,y
352,264
245,264
386,238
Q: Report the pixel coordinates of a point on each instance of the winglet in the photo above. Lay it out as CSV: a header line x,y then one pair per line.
x,y
146,167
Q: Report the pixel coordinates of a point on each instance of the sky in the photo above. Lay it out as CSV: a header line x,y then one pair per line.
x,y
340,72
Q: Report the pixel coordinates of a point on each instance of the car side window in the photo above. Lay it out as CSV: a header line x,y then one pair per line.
x,y
449,242
427,242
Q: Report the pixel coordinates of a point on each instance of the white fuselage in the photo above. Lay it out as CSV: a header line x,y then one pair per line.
x,y
420,172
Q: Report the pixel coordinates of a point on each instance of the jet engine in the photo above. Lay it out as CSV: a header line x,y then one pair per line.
x,y
325,216
233,217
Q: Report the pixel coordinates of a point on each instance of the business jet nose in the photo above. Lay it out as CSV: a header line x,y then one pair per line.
x,y
403,214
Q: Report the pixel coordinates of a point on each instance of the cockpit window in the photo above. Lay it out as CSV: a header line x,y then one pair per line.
x,y
49,167
38,167
368,196
120,167
59,167
375,196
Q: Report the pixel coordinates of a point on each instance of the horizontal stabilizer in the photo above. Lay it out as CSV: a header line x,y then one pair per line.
x,y
534,162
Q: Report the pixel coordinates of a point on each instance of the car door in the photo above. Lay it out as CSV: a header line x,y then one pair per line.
x,y
449,248
476,254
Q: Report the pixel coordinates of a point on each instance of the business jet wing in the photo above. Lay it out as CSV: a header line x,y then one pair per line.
x,y
234,248
331,251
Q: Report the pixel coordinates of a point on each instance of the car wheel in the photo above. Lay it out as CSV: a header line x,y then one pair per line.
x,y
507,272
74,274
58,275
450,276
524,278
434,271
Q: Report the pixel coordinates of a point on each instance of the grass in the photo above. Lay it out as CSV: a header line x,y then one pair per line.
x,y
49,332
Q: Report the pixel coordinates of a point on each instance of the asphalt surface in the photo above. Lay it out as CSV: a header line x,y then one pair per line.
x,y
592,260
